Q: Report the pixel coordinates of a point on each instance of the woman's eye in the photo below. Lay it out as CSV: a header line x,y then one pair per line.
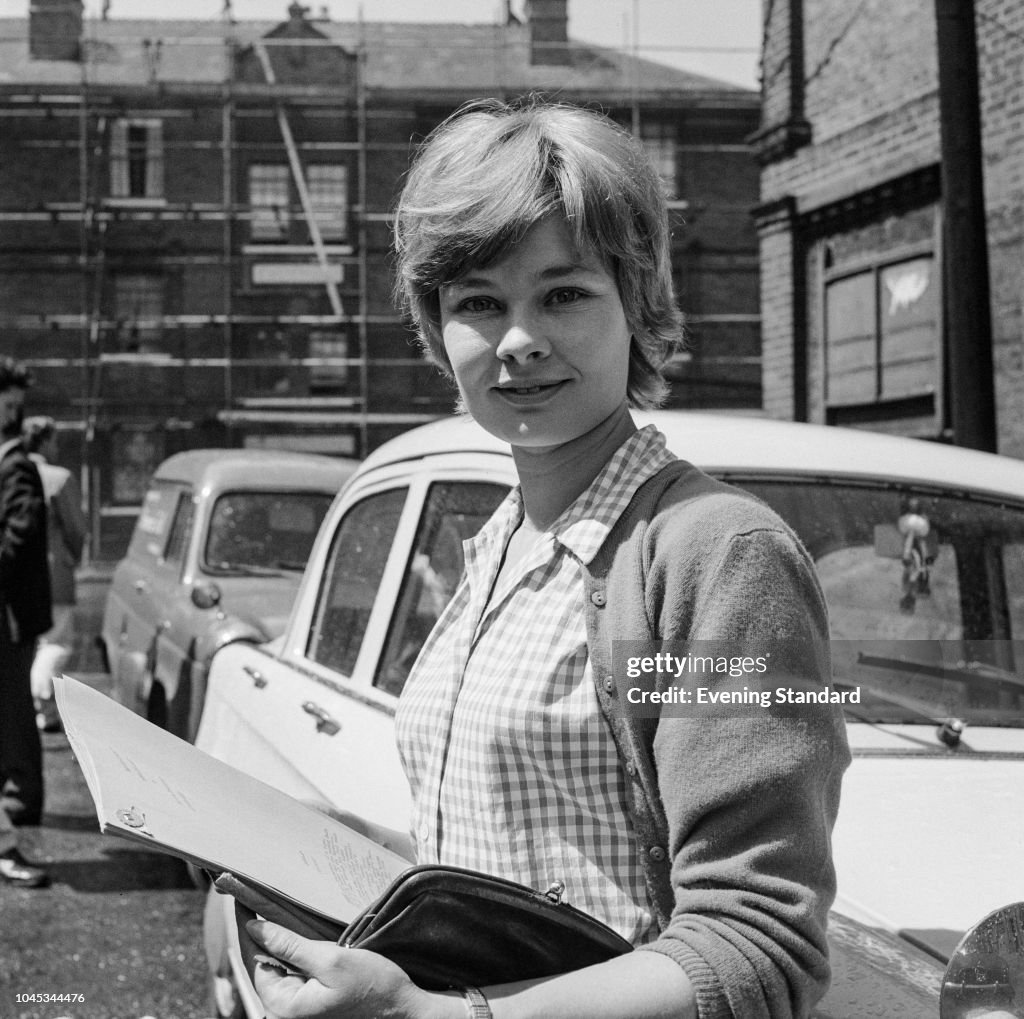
x,y
565,295
476,304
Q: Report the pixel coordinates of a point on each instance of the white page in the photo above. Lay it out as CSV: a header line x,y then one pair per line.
x,y
154,788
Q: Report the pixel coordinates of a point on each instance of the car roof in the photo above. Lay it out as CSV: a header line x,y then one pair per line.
x,y
256,468
747,444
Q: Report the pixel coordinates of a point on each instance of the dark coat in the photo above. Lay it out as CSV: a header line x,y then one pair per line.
x,y
24,571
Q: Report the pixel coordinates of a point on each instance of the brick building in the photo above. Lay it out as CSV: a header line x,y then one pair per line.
x,y
194,247
851,211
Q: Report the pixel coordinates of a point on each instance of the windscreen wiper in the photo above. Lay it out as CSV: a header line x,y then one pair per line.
x,y
971,669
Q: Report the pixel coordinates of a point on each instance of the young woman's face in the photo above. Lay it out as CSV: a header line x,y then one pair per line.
x,y
538,341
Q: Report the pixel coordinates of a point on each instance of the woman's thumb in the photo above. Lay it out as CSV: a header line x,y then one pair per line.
x,y
278,941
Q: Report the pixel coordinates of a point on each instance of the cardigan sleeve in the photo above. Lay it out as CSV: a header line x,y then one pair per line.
x,y
751,794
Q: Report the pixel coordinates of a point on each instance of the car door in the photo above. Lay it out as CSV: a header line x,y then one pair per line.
x,y
176,614
314,713
132,613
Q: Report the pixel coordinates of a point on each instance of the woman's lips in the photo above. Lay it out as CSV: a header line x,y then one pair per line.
x,y
534,392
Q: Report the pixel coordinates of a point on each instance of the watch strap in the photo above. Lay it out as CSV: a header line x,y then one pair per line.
x,y
476,1004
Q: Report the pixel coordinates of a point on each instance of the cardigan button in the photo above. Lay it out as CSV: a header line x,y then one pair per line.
x,y
609,684
630,768
656,853
598,598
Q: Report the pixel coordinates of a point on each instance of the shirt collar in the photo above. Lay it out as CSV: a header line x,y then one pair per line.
x,y
496,532
585,525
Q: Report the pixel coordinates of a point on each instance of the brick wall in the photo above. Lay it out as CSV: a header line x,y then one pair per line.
x,y
1001,63
870,96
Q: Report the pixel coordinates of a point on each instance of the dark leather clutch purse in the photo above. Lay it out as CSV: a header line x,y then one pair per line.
x,y
449,927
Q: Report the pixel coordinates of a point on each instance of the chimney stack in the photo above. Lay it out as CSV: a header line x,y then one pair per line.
x,y
548,23
55,29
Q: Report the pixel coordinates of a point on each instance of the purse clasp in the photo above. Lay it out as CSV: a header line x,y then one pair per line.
x,y
555,891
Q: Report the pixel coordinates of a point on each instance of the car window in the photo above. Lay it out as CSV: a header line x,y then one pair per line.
x,y
181,525
149,538
355,566
453,512
925,592
258,531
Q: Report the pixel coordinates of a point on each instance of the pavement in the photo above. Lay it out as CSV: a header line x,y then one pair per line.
x,y
120,928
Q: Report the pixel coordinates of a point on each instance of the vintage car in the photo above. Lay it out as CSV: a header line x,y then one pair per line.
x,y
920,552
216,556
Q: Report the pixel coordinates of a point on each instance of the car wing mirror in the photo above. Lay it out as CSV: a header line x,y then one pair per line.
x,y
985,975
205,595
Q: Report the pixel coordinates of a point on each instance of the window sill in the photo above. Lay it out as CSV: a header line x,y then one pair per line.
x,y
126,202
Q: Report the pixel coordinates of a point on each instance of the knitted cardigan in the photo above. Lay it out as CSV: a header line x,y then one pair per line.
x,y
732,815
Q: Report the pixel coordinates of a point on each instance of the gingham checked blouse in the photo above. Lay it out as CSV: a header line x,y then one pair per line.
x,y
512,766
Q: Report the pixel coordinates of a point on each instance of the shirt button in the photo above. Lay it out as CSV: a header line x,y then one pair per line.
x,y
656,853
598,598
424,832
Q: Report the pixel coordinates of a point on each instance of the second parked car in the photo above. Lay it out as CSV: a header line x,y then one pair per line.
x,y
216,556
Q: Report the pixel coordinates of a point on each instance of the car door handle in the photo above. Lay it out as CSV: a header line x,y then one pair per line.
x,y
258,679
324,722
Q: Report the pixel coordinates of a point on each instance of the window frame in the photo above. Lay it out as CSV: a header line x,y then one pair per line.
x,y
121,160
874,266
659,137
269,221
440,493
328,569
135,292
179,533
330,211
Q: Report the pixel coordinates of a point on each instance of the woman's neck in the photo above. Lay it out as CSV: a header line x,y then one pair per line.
x,y
553,477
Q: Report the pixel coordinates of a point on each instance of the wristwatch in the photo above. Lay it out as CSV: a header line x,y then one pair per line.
x,y
476,1004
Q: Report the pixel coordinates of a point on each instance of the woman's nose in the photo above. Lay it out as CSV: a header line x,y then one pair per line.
x,y
522,341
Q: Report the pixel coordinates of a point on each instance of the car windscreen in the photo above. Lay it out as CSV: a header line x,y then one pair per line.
x,y
925,589
254,532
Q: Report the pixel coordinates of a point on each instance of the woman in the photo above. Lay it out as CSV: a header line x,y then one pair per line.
x,y
532,251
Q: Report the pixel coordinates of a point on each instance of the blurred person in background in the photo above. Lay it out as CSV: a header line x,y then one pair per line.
x,y
25,613
66,531
14,868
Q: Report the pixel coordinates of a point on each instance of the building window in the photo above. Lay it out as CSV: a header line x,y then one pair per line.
x,y
269,201
328,369
328,193
136,159
882,332
659,141
138,310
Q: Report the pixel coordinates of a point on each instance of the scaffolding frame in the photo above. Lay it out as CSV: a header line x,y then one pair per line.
x,y
97,216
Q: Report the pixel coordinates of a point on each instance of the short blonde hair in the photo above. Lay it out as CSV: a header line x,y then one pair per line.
x,y
492,170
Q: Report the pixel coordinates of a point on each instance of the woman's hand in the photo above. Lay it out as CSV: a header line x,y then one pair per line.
x,y
339,982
